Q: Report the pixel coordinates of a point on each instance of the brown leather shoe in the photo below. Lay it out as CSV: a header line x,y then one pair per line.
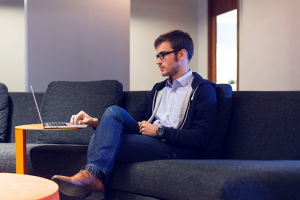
x,y
81,184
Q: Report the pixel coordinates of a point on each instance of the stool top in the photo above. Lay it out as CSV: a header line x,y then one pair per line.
x,y
40,127
27,187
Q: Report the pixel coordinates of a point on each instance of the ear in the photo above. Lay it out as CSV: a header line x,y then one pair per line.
x,y
181,54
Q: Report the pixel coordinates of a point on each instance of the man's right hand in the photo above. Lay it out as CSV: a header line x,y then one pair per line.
x,y
83,118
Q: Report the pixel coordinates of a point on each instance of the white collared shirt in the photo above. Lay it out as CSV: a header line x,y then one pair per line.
x,y
168,110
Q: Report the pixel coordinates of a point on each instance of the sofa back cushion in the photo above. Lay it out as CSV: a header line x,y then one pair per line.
x,y
264,126
64,99
22,110
131,99
4,106
214,148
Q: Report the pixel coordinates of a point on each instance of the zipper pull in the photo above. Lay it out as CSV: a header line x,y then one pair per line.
x,y
194,93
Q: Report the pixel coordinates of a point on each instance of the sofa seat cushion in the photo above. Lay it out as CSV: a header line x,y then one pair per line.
x,y
8,157
209,179
4,106
64,99
45,160
113,194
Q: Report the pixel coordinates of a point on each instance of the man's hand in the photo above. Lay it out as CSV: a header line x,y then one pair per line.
x,y
147,128
83,118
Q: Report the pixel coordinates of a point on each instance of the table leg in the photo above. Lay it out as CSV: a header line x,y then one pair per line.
x,y
21,159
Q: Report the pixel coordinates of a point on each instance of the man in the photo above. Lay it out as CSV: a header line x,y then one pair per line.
x,y
174,121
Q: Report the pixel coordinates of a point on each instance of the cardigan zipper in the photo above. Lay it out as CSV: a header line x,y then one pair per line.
x,y
154,100
188,108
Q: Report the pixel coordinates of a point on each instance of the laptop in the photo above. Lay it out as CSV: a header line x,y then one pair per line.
x,y
56,125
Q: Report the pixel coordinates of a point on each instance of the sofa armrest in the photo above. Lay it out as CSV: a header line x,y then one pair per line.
x,y
4,107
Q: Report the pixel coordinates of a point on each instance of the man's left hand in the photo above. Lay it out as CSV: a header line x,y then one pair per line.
x,y
147,128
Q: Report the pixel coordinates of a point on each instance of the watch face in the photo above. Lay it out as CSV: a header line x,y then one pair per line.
x,y
160,131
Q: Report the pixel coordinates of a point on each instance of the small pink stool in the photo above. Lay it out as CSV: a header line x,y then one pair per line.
x,y
26,187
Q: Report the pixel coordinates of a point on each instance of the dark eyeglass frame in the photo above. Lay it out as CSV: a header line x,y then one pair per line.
x,y
162,55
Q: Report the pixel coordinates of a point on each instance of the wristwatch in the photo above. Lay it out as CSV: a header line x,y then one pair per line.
x,y
160,131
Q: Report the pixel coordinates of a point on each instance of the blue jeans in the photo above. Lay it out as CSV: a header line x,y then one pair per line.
x,y
117,139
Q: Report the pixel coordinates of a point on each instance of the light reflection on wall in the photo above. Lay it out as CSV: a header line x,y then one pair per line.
x,y
12,45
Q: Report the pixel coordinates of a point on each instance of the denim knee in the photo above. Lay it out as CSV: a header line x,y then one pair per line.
x,y
113,111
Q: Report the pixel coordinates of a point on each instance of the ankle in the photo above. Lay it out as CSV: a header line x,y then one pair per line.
x,y
96,172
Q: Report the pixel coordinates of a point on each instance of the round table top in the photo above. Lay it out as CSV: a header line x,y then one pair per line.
x,y
40,127
19,186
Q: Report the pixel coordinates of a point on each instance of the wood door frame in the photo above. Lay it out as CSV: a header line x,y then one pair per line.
x,y
215,8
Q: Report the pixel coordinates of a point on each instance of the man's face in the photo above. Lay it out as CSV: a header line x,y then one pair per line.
x,y
168,66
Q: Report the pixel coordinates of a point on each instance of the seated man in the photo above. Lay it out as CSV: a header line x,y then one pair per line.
x,y
174,121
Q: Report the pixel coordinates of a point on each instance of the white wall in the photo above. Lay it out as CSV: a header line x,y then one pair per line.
x,y
12,45
202,38
269,45
149,19
62,45
269,42
76,40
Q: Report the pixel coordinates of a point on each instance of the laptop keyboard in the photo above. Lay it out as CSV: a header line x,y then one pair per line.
x,y
57,124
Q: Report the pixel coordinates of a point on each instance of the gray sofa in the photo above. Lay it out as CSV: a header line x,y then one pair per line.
x,y
253,153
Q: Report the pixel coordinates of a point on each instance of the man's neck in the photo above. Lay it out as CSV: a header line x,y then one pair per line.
x,y
178,75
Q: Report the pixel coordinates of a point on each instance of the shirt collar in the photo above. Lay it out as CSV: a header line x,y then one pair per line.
x,y
184,80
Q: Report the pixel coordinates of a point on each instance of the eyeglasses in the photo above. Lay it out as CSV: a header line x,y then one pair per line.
x,y
161,55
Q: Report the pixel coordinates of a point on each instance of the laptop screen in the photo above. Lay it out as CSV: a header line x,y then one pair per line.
x,y
37,107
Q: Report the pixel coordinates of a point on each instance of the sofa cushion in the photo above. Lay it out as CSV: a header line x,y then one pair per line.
x,y
3,112
22,110
64,99
209,179
46,160
224,101
112,194
264,126
8,157
131,99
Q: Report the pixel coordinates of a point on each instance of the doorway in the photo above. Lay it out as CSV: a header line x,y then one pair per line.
x,y
223,45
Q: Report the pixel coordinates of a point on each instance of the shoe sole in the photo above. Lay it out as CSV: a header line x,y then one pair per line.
x,y
70,189
95,195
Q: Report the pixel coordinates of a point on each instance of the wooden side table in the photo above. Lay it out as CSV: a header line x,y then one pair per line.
x,y
20,140
21,187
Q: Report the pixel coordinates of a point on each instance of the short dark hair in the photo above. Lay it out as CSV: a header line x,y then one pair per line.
x,y
179,40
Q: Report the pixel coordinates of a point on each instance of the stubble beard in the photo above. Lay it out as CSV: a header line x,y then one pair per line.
x,y
176,66
175,69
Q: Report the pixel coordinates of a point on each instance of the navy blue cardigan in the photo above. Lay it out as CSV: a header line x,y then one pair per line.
x,y
196,130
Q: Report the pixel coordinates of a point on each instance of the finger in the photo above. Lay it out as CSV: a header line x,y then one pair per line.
x,y
141,130
81,112
76,119
72,119
141,125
